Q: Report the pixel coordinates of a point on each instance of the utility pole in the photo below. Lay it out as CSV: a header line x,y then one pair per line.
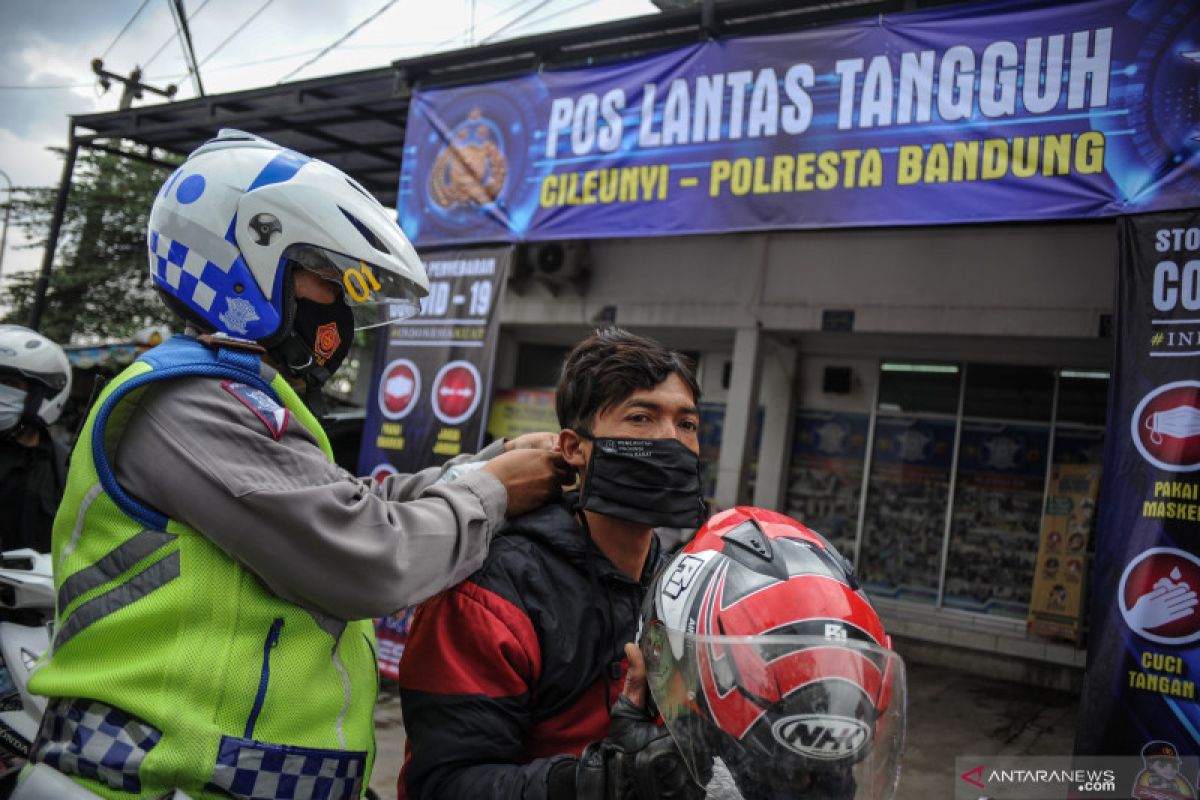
x,y
133,86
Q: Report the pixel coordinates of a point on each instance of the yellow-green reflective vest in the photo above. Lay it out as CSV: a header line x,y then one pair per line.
x,y
172,665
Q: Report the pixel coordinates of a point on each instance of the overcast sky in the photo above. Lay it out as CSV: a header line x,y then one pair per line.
x,y
50,44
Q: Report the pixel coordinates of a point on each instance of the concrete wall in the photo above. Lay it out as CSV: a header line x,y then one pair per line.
x,y
1044,280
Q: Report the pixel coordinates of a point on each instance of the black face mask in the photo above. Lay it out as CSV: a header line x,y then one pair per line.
x,y
319,340
655,482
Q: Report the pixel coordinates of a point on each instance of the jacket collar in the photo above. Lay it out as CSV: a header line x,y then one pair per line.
x,y
556,527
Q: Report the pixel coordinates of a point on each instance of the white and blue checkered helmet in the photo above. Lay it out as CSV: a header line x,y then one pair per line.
x,y
228,225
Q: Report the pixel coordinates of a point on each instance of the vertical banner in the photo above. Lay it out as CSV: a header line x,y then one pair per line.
x,y
1143,659
1056,604
391,634
432,380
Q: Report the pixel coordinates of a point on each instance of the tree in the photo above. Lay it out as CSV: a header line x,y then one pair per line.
x,y
100,286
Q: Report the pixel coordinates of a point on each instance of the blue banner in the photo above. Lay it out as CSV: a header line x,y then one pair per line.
x,y
999,111
1143,655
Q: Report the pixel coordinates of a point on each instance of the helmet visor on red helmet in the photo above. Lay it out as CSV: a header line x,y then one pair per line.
x,y
780,716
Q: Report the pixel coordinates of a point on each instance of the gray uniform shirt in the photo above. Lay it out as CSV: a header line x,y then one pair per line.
x,y
317,536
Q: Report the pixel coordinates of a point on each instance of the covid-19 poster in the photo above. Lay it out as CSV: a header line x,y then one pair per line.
x,y
432,377
981,112
1143,655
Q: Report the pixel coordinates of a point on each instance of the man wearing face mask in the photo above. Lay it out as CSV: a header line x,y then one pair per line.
x,y
508,681
35,380
216,572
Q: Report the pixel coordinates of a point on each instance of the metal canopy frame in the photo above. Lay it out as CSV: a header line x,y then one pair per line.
x,y
356,121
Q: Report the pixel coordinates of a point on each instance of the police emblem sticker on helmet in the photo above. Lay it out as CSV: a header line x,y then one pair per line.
x,y
238,314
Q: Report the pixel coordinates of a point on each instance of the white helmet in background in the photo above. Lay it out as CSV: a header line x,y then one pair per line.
x,y
43,368
228,227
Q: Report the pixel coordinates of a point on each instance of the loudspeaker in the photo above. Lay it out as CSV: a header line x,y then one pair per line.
x,y
837,380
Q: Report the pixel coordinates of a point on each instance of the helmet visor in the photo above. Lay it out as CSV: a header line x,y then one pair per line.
x,y
780,716
376,295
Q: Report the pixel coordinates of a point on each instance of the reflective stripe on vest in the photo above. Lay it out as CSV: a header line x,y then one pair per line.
x,y
155,576
119,561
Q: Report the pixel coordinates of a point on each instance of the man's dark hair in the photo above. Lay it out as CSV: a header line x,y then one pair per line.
x,y
608,367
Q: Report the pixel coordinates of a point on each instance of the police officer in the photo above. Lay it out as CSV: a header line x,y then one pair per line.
x,y
35,380
216,572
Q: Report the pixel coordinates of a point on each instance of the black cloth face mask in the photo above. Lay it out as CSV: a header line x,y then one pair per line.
x,y
654,482
319,340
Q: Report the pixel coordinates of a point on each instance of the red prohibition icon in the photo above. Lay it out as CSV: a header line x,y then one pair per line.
x,y
456,391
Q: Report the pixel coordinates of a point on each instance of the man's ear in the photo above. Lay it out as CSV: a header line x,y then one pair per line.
x,y
570,444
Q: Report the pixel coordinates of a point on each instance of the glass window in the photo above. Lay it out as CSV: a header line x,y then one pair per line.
x,y
917,388
1082,398
826,471
1007,391
909,481
998,494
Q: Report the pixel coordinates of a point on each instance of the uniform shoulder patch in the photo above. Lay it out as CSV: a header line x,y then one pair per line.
x,y
273,415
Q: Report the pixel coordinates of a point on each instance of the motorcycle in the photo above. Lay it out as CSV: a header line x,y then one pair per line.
x,y
26,613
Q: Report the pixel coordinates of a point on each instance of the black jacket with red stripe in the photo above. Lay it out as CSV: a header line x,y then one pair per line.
x,y
517,668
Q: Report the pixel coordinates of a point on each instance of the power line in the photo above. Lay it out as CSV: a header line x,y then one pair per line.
x,y
513,22
557,14
353,31
185,38
241,28
136,14
492,18
173,38
55,87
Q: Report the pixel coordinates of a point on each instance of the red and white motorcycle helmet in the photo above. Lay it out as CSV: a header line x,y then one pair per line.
x,y
771,670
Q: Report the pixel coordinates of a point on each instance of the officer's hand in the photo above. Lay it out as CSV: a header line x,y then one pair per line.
x,y
542,440
530,477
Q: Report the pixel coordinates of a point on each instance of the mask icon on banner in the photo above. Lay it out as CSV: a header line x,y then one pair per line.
x,y
1181,422
400,386
1165,426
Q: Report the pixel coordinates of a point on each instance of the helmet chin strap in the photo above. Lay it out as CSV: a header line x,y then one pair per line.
x,y
296,361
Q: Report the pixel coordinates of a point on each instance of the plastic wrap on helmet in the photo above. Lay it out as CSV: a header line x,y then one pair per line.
x,y
781,716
